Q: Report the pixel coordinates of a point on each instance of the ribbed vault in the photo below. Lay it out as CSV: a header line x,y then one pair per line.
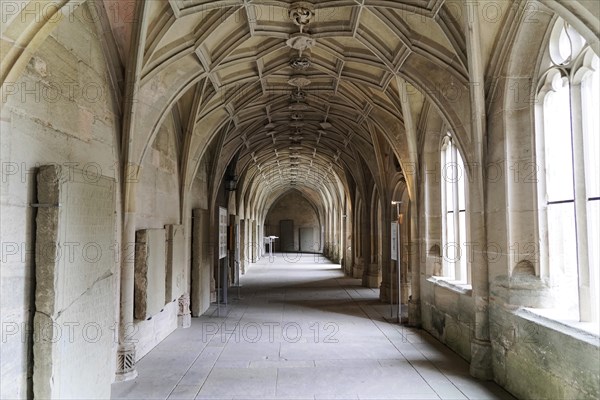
x,y
298,93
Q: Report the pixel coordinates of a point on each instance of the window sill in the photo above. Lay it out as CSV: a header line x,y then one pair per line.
x,y
455,286
552,319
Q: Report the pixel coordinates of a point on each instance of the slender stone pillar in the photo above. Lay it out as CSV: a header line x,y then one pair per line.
x,y
413,249
481,348
254,241
243,246
368,280
201,262
387,284
126,350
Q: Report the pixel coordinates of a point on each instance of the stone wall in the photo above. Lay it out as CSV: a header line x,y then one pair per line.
x,y
448,314
61,111
535,357
295,207
157,192
157,205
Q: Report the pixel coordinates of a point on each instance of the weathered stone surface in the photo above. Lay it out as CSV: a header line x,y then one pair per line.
x,y
481,359
175,282
149,273
74,285
447,313
534,356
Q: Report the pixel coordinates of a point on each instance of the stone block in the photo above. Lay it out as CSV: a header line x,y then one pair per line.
x,y
74,295
149,296
446,300
175,282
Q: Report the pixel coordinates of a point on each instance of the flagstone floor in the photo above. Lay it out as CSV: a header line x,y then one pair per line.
x,y
301,330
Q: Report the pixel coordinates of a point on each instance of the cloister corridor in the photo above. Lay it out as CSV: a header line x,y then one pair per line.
x,y
300,329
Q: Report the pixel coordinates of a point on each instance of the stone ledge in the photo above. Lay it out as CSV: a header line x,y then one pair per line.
x,y
575,329
460,288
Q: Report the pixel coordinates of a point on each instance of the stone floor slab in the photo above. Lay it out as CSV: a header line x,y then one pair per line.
x,y
302,331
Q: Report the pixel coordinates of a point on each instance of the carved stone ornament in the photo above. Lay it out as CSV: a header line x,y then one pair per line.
x,y
125,363
298,95
297,116
298,107
299,81
301,41
301,63
301,13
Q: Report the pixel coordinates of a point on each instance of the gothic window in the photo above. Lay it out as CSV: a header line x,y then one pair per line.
x,y
454,231
568,189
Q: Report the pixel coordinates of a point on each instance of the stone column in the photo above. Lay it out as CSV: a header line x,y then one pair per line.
x,y
243,246
130,175
385,261
368,280
201,262
253,237
413,250
481,349
357,269
126,350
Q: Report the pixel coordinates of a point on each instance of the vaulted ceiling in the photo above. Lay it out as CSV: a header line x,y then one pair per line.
x,y
298,92
322,96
